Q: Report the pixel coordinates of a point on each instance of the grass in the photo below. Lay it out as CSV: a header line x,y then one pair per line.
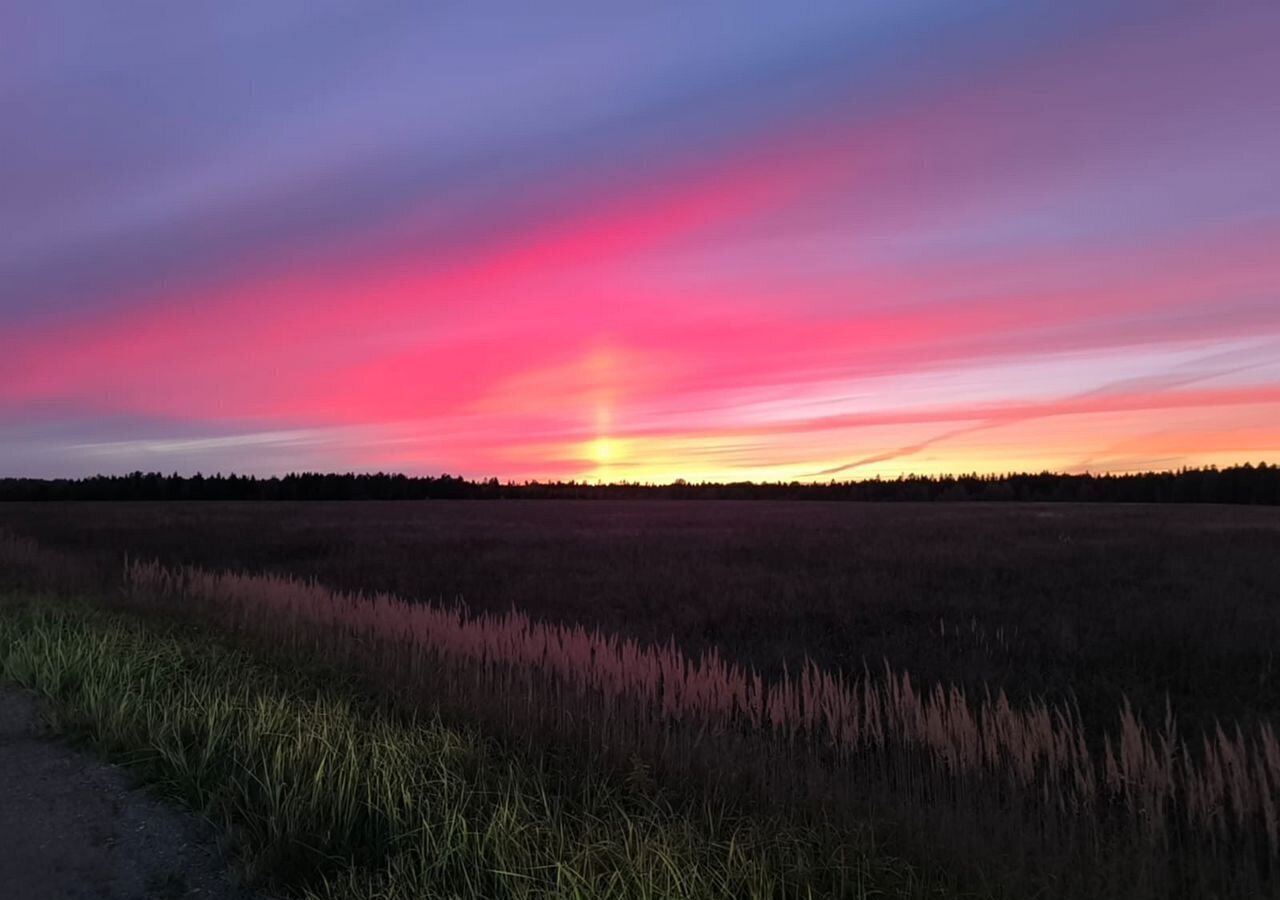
x,y
1151,809
1041,747
329,794
1012,793
1094,601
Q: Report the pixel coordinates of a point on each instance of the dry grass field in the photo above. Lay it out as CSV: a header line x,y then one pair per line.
x,y
1048,600
1039,698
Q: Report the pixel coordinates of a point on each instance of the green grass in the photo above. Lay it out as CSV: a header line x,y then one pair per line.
x,y
327,794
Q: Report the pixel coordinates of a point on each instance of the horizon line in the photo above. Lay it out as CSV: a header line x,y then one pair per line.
x,y
675,482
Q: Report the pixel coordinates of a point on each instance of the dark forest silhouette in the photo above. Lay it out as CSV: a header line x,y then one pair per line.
x,y
1247,483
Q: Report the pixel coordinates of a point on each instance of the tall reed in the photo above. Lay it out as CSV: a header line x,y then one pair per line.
x,y
937,752
334,798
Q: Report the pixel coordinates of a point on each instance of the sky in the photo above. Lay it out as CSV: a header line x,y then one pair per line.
x,y
640,241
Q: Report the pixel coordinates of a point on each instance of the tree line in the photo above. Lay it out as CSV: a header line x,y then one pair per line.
x,y
1250,484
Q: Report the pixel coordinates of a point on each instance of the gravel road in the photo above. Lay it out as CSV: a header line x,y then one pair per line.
x,y
75,828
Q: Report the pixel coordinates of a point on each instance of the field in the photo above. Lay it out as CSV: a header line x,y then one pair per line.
x,y
1036,599
1119,634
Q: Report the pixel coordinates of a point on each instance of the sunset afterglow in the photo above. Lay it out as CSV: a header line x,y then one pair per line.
x,y
812,241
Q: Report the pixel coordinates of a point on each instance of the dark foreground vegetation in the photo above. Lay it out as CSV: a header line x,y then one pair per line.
x,y
1247,483
1087,710
329,793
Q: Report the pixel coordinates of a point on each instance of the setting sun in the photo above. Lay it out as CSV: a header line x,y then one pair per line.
x,y
604,451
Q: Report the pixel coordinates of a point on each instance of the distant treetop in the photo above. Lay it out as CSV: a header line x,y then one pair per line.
x,y
1252,484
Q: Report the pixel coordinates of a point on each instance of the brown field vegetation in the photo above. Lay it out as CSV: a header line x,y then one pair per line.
x,y
1007,780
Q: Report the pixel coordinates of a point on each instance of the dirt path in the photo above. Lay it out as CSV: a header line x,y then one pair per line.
x,y
73,827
